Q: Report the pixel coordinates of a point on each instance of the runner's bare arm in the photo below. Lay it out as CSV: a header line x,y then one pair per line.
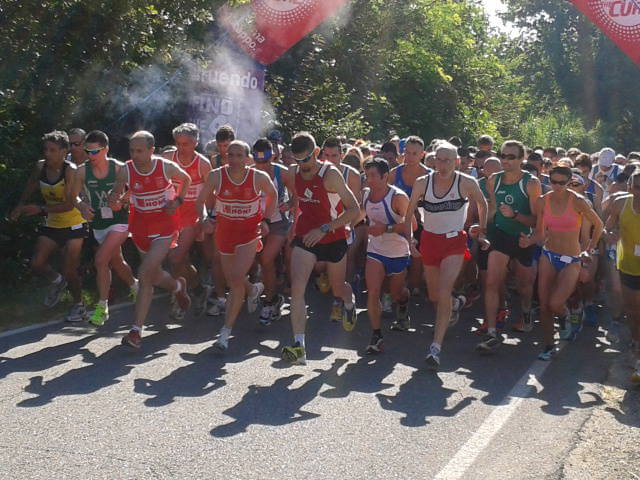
x,y
83,200
612,223
175,172
209,188
471,189
266,186
400,204
491,201
538,233
583,207
419,187
29,189
117,192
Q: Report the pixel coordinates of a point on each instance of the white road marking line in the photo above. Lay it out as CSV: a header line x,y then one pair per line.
x,y
469,452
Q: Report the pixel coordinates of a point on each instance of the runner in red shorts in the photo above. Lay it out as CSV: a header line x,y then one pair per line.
x,y
444,197
239,227
198,167
153,222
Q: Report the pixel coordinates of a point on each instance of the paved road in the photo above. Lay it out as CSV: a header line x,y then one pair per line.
x,y
75,404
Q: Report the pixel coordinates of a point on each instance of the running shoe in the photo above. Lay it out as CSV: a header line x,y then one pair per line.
x,y
490,343
132,339
323,284
295,354
349,318
277,308
221,345
336,311
77,313
182,297
387,303
501,318
548,354
254,296
433,361
524,324
590,315
458,304
54,293
218,307
376,345
100,315
176,312
402,323
635,376
200,295
266,315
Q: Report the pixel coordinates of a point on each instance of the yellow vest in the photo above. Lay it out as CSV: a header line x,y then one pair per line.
x,y
629,244
53,194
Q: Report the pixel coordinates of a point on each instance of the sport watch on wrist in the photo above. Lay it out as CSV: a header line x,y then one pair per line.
x,y
325,228
389,228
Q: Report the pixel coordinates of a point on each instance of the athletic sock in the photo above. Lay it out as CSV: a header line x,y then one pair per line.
x,y
178,287
435,349
57,280
225,332
299,339
492,331
104,303
136,328
135,286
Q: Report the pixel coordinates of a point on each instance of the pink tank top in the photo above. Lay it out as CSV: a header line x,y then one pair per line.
x,y
569,221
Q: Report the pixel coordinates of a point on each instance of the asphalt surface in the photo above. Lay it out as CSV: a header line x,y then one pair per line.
x,y
74,403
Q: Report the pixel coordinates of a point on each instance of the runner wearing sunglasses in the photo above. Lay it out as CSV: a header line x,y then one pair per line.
x,y
560,216
326,206
110,226
512,196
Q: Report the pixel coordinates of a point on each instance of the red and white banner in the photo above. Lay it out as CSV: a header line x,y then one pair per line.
x,y
266,29
619,19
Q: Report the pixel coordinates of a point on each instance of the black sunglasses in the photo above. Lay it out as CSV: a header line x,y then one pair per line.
x,y
305,159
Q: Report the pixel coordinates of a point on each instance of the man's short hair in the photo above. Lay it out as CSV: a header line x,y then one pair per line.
x,y
584,160
77,131
389,147
332,142
379,163
514,143
552,150
534,157
145,135
303,143
486,140
633,156
457,141
573,151
530,167
561,170
97,136
225,134
484,154
416,140
353,160
262,145
447,147
244,145
189,129
211,147
58,137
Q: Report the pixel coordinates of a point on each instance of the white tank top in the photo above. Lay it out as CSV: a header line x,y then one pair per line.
x,y
445,214
392,245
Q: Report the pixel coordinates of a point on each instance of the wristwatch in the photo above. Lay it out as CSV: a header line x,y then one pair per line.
x,y
389,228
325,228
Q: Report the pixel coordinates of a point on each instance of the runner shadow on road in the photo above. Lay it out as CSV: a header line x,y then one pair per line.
x,y
421,397
276,404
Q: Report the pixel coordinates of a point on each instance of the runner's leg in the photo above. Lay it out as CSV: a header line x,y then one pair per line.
x,y
267,258
302,263
72,251
104,256
40,260
235,268
496,275
441,281
374,275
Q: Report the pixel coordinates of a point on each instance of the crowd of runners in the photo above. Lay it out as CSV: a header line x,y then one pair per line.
x,y
538,233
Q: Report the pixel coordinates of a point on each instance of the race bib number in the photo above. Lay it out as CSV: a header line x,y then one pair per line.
x,y
106,213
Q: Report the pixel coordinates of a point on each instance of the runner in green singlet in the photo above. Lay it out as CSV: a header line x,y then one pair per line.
x,y
110,226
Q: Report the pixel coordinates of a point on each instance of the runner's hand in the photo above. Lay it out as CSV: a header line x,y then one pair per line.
x,y
206,225
507,211
524,241
414,249
264,228
483,242
86,211
313,237
171,207
474,231
612,237
585,257
113,202
376,229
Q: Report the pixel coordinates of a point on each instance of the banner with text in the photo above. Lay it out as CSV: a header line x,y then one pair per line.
x,y
619,19
266,29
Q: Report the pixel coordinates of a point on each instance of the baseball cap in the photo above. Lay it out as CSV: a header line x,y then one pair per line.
x,y
607,157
